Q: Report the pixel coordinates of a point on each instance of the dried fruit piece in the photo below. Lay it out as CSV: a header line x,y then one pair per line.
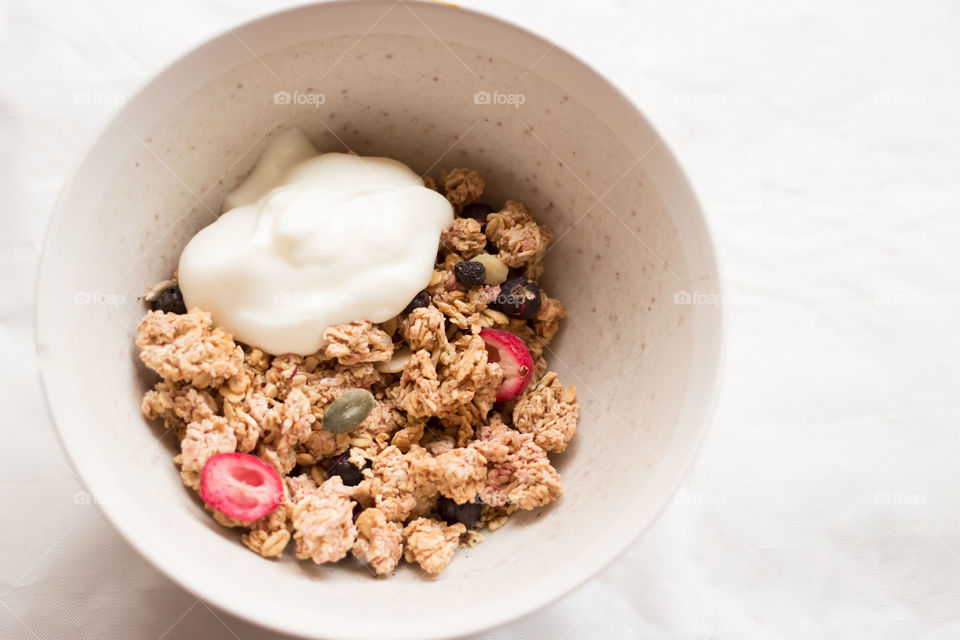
x,y
422,299
514,359
497,272
467,514
170,300
347,412
519,298
478,211
348,472
431,544
471,274
241,486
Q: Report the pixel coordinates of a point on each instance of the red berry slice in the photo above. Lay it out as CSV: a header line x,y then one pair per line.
x,y
240,485
514,359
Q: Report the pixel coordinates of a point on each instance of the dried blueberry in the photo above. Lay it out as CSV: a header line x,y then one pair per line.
x,y
470,273
348,472
519,298
467,513
420,300
170,300
478,211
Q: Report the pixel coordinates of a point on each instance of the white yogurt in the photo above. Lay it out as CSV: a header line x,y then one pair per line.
x,y
311,241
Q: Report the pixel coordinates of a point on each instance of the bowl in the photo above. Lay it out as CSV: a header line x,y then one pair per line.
x,y
435,87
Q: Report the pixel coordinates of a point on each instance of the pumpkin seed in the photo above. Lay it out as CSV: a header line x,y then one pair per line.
x,y
347,412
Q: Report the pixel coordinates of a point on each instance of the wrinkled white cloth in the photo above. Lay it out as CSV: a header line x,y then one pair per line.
x,y
823,139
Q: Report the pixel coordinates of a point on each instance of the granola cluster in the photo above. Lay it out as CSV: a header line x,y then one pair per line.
x,y
437,439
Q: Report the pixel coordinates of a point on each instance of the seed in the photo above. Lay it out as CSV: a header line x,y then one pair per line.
x,y
305,459
496,271
396,362
478,211
347,412
470,273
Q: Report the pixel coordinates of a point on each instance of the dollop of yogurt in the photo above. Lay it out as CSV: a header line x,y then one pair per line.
x,y
313,240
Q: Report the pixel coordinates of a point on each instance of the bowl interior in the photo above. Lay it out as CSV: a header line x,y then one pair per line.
x,y
435,87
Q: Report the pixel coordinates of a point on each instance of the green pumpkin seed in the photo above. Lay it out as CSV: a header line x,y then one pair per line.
x,y
347,412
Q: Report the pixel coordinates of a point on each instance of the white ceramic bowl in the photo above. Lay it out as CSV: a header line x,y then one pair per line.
x,y
436,87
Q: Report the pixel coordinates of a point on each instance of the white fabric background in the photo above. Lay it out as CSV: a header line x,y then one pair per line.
x,y
823,138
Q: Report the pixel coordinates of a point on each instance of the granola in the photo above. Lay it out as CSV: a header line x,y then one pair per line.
x,y
418,392
549,412
269,535
379,542
203,440
437,439
465,238
520,240
357,342
460,474
185,348
462,186
323,527
431,543
519,472
424,328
